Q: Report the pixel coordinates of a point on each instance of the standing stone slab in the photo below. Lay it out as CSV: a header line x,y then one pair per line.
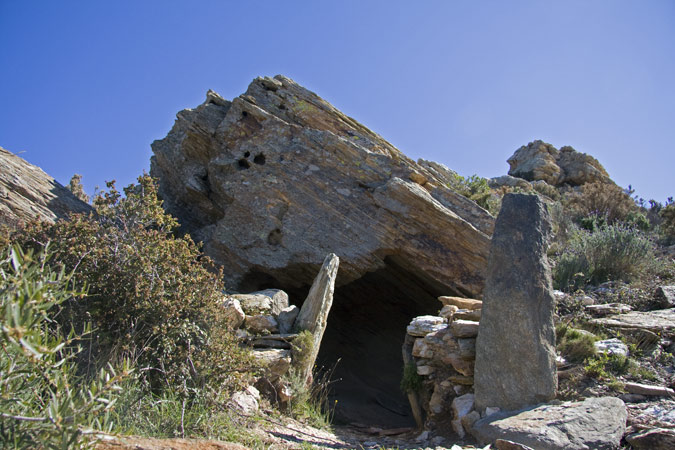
x,y
515,348
313,314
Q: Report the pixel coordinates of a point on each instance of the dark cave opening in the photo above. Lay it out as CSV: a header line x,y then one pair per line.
x,y
363,339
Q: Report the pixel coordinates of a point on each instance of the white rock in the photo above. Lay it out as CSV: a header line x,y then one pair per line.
x,y
423,325
461,406
286,318
262,324
247,400
424,370
448,311
490,410
611,347
464,328
421,349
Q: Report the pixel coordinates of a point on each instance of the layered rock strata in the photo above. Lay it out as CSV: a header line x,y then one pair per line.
x,y
277,178
27,193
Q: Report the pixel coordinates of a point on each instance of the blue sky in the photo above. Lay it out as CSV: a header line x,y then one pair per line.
x,y
86,86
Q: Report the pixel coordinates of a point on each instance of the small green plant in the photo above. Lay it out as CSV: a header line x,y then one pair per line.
x,y
575,345
411,381
75,186
301,348
311,403
475,188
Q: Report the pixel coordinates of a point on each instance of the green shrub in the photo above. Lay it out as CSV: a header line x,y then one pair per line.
x,y
153,298
667,215
574,345
475,188
44,403
613,252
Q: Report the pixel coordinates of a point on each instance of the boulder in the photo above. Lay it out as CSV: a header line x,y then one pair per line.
x,y
515,349
274,180
612,346
261,324
661,321
27,193
541,161
595,423
246,401
509,181
665,296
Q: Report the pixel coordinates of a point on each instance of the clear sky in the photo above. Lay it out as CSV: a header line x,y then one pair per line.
x,y
86,86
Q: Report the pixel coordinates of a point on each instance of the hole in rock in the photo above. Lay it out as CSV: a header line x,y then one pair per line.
x,y
259,159
244,114
282,106
363,339
274,238
247,154
244,164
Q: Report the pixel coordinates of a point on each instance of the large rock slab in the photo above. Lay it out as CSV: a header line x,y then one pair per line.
x,y
595,423
27,193
661,321
515,348
277,178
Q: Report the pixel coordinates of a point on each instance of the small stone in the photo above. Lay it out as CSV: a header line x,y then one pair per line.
x,y
424,370
421,349
437,399
286,318
461,406
247,400
447,312
262,324
423,325
460,302
586,300
490,410
234,315
611,347
632,398
467,348
276,361
607,309
468,314
503,444
423,436
268,301
646,389
469,419
653,439
464,328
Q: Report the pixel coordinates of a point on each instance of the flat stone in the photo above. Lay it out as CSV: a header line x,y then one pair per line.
x,y
468,314
461,302
653,439
503,444
646,389
464,328
595,423
424,370
661,321
262,324
276,361
421,349
607,309
448,311
461,379
423,325
461,406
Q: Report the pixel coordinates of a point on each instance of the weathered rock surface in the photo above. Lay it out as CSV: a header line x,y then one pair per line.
x,y
276,179
653,439
541,161
595,423
515,349
665,295
27,193
661,321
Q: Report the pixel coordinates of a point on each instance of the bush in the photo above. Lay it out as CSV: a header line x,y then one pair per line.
x,y
152,297
613,252
600,200
475,188
43,402
667,215
575,345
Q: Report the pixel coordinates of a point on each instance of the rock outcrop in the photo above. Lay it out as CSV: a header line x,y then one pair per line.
x,y
515,349
27,193
541,161
597,423
277,178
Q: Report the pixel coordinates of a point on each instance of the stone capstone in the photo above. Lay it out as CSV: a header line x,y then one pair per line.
x,y
277,178
595,423
515,348
541,161
27,193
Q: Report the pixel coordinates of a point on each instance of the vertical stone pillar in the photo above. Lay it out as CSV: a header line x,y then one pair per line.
x,y
313,314
515,348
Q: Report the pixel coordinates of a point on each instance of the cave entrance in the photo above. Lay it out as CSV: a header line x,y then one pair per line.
x,y
363,339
